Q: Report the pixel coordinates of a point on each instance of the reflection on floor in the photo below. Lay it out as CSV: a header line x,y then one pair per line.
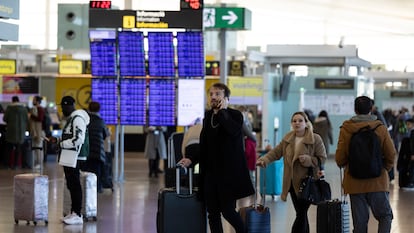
x,y
133,204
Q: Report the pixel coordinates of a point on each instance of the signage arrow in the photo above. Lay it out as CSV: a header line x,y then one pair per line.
x,y
231,17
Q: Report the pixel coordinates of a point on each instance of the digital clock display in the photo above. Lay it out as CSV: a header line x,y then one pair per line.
x,y
104,91
161,54
133,101
190,54
131,53
161,102
100,4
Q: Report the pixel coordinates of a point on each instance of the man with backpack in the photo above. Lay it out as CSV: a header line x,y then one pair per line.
x,y
366,158
73,137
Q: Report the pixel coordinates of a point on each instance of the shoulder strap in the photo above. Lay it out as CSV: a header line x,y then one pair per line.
x,y
377,126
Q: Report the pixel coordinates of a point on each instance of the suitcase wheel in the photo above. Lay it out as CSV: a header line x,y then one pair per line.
x,y
28,223
94,218
16,221
35,223
46,222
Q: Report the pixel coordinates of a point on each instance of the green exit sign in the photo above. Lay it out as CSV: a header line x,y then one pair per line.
x,y
227,17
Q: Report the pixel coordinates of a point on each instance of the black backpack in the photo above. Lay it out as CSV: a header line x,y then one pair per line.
x,y
365,154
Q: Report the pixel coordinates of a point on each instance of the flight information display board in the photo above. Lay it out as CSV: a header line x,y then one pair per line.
x,y
161,109
103,52
104,91
190,53
133,101
161,54
131,53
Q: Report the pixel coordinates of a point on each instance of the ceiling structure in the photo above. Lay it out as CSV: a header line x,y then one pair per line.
x,y
383,30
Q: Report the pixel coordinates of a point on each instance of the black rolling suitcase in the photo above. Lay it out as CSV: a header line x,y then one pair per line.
x,y
333,215
179,210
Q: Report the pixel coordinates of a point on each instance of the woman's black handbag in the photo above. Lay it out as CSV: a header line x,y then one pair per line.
x,y
314,190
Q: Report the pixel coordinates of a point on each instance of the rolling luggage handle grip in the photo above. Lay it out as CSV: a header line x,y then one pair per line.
x,y
178,176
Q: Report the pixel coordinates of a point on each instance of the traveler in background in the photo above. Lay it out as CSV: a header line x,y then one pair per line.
x,y
323,127
73,136
16,117
97,133
405,163
400,128
301,149
224,176
190,148
370,193
37,113
155,149
249,143
381,118
107,168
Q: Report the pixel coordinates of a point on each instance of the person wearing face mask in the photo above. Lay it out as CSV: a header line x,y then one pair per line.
x,y
224,176
301,149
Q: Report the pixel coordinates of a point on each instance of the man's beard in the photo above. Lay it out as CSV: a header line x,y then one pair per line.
x,y
214,105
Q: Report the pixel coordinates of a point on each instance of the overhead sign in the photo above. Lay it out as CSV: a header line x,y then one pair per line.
x,y
9,9
321,83
7,66
186,18
70,67
212,67
227,17
236,68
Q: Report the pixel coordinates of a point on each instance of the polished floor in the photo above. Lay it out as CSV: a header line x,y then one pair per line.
x,y
132,206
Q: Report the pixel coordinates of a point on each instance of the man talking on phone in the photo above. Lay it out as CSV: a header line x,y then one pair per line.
x,y
224,176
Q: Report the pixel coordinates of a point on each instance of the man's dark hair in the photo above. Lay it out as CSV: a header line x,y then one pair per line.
x,y
94,106
38,99
363,105
222,86
15,99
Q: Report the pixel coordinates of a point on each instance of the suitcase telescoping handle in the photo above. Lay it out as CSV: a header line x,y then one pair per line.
x,y
178,176
263,196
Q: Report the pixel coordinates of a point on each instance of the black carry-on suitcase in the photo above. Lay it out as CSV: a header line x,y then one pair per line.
x,y
333,215
179,210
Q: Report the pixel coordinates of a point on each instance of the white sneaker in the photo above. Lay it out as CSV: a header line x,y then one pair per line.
x,y
74,219
67,216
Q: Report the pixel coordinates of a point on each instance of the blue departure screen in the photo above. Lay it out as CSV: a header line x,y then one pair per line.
x,y
161,54
131,53
104,91
103,57
133,101
190,54
161,102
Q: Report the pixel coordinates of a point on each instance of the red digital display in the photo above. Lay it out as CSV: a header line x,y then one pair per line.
x,y
100,4
192,4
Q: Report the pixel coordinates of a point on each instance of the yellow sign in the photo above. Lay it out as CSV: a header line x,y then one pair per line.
x,y
128,21
70,67
78,88
242,86
7,66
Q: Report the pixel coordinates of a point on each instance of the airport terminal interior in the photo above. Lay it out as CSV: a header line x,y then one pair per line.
x,y
149,66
